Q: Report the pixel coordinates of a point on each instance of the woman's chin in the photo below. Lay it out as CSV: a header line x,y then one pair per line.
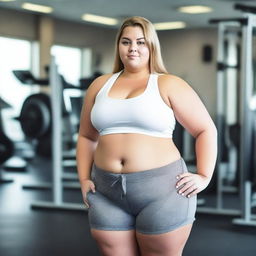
x,y
134,65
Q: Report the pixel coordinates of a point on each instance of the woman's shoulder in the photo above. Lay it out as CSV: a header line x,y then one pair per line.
x,y
95,86
100,80
175,87
98,83
172,82
170,78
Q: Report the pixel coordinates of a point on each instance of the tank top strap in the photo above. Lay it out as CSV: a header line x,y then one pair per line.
x,y
154,84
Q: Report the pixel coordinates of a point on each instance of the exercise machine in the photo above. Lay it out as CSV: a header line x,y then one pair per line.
x,y
57,142
36,122
35,114
235,115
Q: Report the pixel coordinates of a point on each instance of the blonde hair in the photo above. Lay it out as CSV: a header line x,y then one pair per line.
x,y
156,64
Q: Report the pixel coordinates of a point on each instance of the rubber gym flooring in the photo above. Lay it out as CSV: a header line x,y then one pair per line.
x,y
33,232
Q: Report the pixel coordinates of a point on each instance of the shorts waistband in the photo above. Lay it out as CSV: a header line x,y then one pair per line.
x,y
178,165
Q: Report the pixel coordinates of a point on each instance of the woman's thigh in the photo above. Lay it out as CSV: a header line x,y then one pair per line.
x,y
166,244
116,243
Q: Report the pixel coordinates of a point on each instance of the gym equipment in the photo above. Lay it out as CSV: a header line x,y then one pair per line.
x,y
6,145
44,144
247,149
56,104
35,115
235,113
26,77
35,120
36,123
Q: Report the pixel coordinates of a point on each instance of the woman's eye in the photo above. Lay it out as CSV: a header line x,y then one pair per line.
x,y
125,42
141,42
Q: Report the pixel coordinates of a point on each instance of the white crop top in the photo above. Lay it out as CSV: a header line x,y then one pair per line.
x,y
146,113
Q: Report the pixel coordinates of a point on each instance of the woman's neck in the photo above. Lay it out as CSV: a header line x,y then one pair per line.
x,y
135,73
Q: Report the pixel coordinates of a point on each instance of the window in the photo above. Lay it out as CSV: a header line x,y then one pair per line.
x,y
14,54
68,60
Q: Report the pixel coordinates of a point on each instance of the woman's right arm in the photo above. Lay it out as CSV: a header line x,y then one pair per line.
x,y
87,139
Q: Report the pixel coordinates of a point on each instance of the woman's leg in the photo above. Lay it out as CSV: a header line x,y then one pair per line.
x,y
116,243
166,244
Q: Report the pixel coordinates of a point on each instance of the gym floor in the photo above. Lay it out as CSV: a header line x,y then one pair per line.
x,y
34,232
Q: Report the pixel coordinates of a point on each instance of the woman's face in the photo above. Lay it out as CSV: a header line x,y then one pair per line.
x,y
133,49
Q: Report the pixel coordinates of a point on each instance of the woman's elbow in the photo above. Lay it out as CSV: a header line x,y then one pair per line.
x,y
210,130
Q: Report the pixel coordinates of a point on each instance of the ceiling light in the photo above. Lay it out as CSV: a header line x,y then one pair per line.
x,y
7,0
99,19
195,9
169,25
37,8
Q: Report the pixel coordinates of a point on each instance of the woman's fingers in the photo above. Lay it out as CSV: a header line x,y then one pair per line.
x,y
185,188
196,191
86,188
188,190
86,203
85,200
183,180
190,184
93,188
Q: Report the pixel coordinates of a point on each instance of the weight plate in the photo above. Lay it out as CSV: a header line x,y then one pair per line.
x,y
35,116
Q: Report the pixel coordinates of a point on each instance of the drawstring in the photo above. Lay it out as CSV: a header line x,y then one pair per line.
x,y
122,179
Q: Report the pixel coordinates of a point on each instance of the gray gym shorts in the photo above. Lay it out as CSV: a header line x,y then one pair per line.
x,y
146,200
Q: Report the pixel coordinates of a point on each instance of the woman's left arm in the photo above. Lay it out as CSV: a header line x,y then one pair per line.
x,y
191,113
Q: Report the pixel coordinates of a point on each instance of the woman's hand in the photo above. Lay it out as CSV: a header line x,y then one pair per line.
x,y
190,184
87,185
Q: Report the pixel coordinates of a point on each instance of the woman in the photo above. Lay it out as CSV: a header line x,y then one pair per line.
x,y
141,198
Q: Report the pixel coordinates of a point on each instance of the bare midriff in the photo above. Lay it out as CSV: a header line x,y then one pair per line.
x,y
130,152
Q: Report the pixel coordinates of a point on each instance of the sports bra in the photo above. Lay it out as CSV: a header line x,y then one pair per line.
x,y
146,113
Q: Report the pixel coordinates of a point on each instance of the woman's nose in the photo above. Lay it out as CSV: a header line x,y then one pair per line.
x,y
133,47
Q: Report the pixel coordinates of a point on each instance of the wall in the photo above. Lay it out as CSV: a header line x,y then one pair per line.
x,y
18,24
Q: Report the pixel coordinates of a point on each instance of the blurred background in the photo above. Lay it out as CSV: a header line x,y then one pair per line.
x,y
50,52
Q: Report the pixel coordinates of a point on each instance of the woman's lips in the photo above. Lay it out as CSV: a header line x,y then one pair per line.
x,y
132,56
